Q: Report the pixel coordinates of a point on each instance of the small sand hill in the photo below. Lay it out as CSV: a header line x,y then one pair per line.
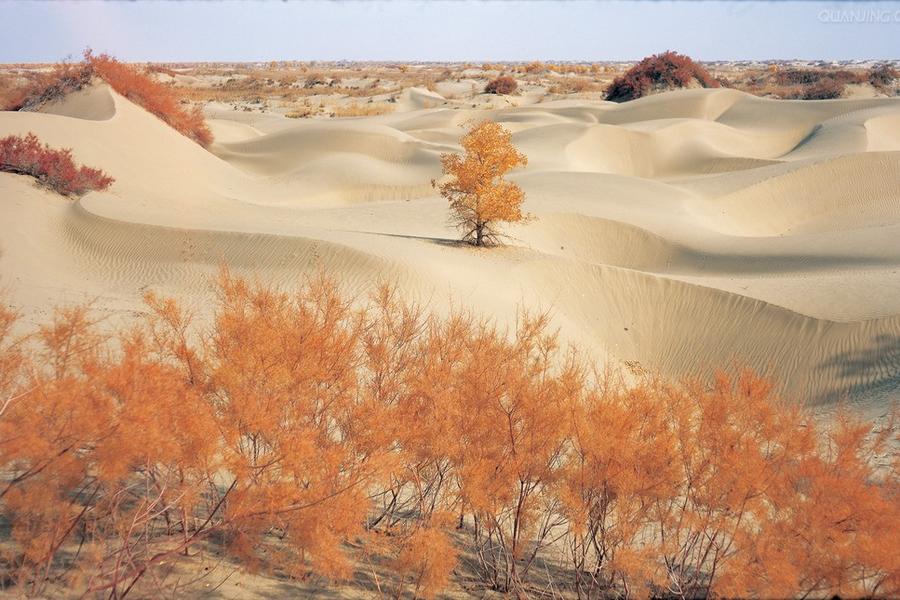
x,y
678,232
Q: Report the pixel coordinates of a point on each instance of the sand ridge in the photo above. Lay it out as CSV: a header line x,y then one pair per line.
x,y
680,231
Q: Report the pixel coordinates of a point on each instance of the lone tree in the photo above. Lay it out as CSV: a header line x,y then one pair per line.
x,y
479,196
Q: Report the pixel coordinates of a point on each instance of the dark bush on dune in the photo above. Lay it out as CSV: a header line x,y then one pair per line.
x,y
657,73
825,89
815,76
882,76
504,85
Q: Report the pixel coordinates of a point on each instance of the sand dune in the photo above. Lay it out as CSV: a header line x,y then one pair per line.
x,y
678,232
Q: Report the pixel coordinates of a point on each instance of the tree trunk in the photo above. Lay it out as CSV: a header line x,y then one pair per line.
x,y
479,234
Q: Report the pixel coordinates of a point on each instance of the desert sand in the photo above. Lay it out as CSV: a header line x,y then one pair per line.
x,y
681,232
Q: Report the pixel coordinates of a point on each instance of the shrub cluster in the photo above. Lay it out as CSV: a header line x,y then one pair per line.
x,y
129,81
503,85
362,109
665,71
296,424
883,76
157,98
812,76
62,79
52,168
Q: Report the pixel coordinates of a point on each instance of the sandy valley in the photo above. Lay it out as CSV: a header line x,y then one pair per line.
x,y
680,231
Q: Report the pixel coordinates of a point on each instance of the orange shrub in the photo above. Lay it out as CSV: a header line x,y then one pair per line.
x,y
62,79
300,433
52,168
157,98
139,87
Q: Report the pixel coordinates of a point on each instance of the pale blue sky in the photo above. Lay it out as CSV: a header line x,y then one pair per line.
x,y
448,30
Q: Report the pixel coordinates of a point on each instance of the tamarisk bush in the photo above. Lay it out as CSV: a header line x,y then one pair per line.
x,y
664,71
52,168
128,80
302,433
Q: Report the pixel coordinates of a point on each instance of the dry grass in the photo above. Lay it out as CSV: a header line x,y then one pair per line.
x,y
355,109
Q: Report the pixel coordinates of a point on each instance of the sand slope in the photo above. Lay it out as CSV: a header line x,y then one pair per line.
x,y
679,232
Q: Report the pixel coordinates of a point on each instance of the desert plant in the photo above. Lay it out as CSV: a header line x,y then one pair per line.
x,y
140,87
824,89
313,79
503,85
572,85
356,109
157,98
300,431
479,196
54,169
62,79
659,72
883,76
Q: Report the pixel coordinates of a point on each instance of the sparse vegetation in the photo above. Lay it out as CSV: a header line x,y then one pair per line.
x,y
297,424
572,85
62,79
129,81
659,72
504,85
479,197
52,168
156,98
883,76
357,109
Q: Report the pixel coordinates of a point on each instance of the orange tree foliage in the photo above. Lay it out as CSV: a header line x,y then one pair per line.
x,y
305,434
479,196
52,168
128,80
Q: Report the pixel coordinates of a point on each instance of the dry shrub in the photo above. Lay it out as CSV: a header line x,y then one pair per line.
x,y
303,112
157,98
161,70
824,89
139,87
573,85
535,67
883,76
504,85
54,169
62,79
313,79
789,77
295,424
659,72
356,109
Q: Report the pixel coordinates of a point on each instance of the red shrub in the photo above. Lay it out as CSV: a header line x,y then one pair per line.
x,y
668,70
502,85
53,168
